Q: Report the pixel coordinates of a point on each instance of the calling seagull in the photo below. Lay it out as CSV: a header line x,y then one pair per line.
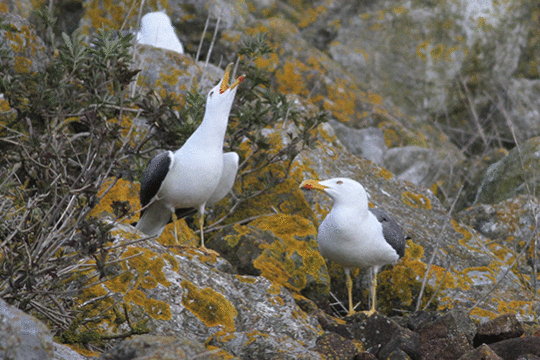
x,y
196,175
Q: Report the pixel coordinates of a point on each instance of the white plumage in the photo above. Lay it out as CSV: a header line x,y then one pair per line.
x,y
195,175
354,236
157,30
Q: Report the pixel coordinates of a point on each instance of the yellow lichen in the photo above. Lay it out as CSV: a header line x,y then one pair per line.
x,y
341,100
290,261
246,279
385,174
154,308
122,190
211,307
416,200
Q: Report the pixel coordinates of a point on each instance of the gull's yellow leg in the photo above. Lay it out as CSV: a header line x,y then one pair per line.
x,y
373,292
175,219
201,225
349,283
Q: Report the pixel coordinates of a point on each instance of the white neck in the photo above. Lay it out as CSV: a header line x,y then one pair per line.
x,y
211,133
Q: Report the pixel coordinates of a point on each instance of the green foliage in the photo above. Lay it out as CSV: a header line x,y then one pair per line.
x,y
64,141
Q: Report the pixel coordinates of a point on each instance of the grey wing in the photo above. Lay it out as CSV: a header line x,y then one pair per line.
x,y
392,232
228,176
153,176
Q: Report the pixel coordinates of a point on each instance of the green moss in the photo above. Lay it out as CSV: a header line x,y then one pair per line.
x,y
211,307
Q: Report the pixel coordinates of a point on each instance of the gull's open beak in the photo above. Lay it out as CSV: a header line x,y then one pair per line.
x,y
312,184
225,82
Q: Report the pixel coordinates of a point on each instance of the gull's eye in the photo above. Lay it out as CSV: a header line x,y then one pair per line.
x,y
211,93
339,182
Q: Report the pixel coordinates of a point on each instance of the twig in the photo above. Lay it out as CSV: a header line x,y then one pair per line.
x,y
435,249
474,113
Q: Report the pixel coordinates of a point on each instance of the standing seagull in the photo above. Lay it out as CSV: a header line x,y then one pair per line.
x,y
355,237
195,175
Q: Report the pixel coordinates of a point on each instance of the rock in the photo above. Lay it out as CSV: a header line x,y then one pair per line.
x,y
282,248
404,341
335,347
23,44
447,348
374,332
452,324
419,165
512,175
510,223
483,352
179,291
365,356
512,349
501,328
420,319
147,347
23,337
367,143
64,352
331,324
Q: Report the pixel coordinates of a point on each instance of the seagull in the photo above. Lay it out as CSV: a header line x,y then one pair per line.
x,y
157,30
198,174
355,237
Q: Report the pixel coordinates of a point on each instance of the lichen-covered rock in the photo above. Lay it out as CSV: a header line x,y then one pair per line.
x,y
335,347
23,336
515,174
22,42
64,352
147,347
179,291
280,247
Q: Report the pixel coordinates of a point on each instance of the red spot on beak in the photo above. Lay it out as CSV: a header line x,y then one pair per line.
x,y
307,186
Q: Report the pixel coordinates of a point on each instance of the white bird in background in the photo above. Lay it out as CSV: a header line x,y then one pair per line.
x,y
352,236
197,174
157,30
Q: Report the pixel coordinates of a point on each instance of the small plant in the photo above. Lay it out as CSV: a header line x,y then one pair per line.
x,y
60,141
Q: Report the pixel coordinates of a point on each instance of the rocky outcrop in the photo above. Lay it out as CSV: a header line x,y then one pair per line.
x,y
413,92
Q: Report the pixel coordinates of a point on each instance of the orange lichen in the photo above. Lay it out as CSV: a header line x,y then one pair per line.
x,y
156,309
211,307
22,64
385,174
290,78
400,285
341,100
295,257
311,15
122,190
421,50
416,200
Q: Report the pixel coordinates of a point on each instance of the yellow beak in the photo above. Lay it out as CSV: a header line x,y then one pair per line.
x,y
312,184
225,82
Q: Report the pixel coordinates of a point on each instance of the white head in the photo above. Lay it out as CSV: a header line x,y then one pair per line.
x,y
220,97
343,191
